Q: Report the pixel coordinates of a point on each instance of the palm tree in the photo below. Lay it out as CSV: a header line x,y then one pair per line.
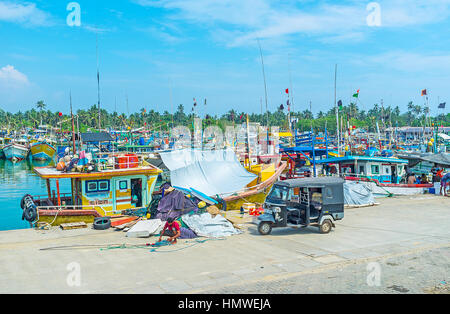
x,y
41,106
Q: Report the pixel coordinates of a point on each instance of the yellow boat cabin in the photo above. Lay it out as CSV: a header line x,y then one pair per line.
x,y
106,192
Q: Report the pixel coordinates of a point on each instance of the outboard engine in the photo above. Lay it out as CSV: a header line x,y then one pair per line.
x,y
29,208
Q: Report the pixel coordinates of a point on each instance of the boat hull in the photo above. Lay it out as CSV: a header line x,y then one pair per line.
x,y
256,194
42,151
56,218
15,152
380,189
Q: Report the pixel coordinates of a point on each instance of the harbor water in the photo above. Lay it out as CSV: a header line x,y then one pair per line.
x,y
16,180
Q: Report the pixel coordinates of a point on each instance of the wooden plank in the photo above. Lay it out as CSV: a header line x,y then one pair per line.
x,y
123,221
73,225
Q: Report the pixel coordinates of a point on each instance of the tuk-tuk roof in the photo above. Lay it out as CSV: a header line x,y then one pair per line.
x,y
312,182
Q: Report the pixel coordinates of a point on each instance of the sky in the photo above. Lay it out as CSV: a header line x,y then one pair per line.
x,y
157,54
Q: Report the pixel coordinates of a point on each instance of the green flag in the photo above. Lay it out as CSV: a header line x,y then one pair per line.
x,y
357,94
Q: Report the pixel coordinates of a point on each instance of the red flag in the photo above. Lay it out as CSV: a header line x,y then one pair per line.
x,y
424,92
287,90
60,114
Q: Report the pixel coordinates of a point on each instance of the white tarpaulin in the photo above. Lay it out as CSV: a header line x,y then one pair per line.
x,y
204,225
145,228
210,172
357,194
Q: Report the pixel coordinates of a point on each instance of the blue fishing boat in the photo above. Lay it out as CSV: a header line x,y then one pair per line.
x,y
383,175
16,151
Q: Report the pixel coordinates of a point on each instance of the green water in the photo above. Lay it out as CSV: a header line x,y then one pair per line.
x,y
16,180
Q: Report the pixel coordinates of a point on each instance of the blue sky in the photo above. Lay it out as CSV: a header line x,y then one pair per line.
x,y
208,49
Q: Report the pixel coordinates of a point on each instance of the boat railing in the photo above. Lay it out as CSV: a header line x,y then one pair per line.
x,y
84,207
119,160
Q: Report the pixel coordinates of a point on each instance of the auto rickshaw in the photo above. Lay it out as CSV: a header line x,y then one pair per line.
x,y
302,203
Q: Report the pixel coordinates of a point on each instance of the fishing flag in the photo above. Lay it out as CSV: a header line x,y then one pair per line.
x,y
281,107
340,105
287,90
442,106
60,114
288,105
424,92
195,103
357,94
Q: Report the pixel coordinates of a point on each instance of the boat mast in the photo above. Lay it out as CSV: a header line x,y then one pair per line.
x,y
98,86
265,85
337,111
73,126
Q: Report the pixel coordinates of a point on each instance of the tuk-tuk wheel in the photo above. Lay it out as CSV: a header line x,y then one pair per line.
x,y
265,228
326,226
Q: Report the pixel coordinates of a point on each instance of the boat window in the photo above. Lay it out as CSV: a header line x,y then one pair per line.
x,y
123,185
375,169
103,185
279,193
361,169
91,186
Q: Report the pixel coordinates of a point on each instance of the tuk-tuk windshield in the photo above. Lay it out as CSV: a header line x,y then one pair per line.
x,y
279,193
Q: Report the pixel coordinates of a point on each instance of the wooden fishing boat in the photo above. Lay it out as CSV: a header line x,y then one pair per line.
x,y
124,185
257,190
15,151
42,151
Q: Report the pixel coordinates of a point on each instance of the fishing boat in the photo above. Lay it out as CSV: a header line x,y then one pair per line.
x,y
124,184
42,150
256,192
16,151
383,175
217,177
2,144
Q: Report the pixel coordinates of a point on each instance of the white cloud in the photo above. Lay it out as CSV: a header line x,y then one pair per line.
x,y
12,78
244,21
413,62
26,13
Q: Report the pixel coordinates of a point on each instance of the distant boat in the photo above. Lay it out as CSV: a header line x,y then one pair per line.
x,y
42,151
15,152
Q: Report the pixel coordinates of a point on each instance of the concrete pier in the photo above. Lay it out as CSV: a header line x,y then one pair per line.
x,y
417,227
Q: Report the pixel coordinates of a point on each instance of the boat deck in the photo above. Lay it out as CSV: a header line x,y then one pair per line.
x,y
52,173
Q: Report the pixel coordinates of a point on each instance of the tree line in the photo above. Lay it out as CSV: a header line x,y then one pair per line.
x,y
350,114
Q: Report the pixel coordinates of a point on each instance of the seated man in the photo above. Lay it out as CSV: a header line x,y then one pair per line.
x,y
168,230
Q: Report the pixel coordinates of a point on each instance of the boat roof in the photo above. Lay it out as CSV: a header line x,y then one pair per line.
x,y
319,181
362,158
52,173
96,137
